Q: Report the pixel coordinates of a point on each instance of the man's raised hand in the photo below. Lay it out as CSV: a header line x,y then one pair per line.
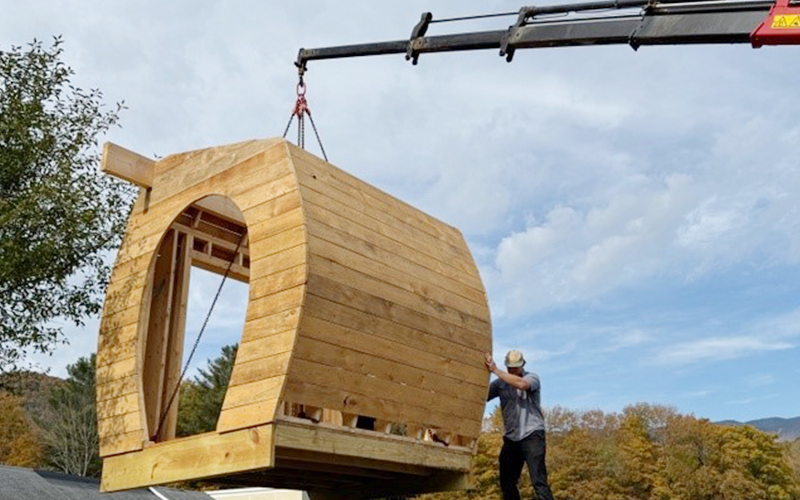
x,y
490,364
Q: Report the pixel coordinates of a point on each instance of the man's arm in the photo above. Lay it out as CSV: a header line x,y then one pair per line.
x,y
512,380
494,390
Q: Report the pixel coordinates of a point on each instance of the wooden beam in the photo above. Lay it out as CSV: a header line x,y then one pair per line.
x,y
334,468
204,236
156,337
219,266
355,462
297,434
221,207
181,271
127,165
195,457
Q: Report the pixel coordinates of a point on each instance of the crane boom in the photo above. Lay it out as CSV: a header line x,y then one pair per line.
x,y
606,22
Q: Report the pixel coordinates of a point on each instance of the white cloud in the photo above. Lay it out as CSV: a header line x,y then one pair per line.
x,y
697,394
716,349
760,380
746,401
628,339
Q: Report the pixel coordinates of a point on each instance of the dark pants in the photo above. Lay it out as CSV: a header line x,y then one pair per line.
x,y
514,455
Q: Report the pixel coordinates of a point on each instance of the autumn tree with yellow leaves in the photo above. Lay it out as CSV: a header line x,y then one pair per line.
x,y
19,437
646,452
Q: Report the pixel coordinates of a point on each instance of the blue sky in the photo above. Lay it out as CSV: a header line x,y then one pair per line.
x,y
635,215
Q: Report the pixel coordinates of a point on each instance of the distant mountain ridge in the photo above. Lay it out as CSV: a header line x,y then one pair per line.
x,y
787,429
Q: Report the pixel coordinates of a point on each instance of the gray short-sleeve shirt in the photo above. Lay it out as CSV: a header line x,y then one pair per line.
x,y
522,410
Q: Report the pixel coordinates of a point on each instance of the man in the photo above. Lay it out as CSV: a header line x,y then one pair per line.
x,y
523,441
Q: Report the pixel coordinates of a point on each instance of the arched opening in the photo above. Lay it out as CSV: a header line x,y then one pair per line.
x,y
210,235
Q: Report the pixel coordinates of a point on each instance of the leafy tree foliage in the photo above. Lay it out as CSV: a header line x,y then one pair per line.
x,y
33,389
19,437
201,397
793,449
70,434
58,213
645,453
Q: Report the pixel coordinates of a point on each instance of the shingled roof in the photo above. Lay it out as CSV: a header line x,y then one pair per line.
x,y
17,483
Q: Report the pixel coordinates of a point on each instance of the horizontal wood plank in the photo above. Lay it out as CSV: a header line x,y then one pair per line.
x,y
118,388
270,199
314,457
116,344
347,207
374,386
114,351
370,248
120,368
255,392
150,225
466,343
392,218
259,413
405,279
212,455
281,280
214,161
278,226
267,247
322,439
322,342
271,324
326,268
121,443
125,286
121,424
374,197
281,261
275,303
333,398
378,240
118,406
266,346
120,319
260,369
121,270
219,266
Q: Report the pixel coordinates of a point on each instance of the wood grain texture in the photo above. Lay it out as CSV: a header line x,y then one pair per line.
x,y
127,165
358,304
324,439
258,170
197,457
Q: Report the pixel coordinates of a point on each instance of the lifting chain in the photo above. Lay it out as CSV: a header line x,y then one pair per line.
x,y
301,110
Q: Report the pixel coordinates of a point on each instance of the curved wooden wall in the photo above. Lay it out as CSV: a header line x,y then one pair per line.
x,y
358,302
259,178
396,319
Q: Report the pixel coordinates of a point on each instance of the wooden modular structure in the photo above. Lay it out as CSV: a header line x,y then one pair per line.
x,y
364,334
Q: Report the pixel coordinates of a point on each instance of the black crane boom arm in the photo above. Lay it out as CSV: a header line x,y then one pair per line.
x,y
605,22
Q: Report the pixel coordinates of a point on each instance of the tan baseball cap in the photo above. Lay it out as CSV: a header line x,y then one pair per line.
x,y
515,359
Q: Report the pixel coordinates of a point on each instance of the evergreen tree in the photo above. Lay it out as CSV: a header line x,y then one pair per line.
x,y
201,398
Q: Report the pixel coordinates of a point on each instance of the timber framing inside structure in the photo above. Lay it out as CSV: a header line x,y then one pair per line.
x,y
360,370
